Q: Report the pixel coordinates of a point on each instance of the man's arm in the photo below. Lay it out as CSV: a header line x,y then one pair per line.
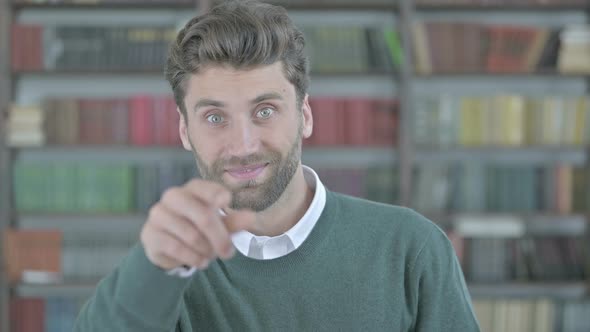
x,y
137,296
443,302
183,229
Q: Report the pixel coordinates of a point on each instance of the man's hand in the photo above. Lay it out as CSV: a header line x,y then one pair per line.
x,y
185,227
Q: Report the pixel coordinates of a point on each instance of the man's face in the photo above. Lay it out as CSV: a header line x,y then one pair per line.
x,y
245,131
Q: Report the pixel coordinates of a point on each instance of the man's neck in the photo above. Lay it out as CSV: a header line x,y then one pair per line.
x,y
287,210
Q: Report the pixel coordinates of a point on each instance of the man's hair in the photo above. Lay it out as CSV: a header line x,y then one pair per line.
x,y
244,35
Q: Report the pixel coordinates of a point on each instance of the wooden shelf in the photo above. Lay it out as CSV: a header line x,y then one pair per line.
x,y
336,5
308,5
515,225
74,222
102,5
534,155
68,289
160,72
372,73
505,7
483,74
562,291
347,157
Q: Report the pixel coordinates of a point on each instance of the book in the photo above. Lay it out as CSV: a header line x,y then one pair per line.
x,y
31,250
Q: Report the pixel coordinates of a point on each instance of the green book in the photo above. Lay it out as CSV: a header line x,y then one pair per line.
x,y
64,188
121,188
395,48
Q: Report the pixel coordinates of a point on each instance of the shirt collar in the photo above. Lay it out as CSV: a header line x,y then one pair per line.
x,y
299,232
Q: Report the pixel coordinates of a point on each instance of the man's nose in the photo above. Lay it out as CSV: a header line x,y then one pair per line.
x,y
244,138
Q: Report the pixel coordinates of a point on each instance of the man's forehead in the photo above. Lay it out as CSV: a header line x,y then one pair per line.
x,y
219,80
216,69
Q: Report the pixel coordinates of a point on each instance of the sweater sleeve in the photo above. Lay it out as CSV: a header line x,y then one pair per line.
x,y
136,296
443,302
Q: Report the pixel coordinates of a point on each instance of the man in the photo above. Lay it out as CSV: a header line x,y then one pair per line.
x,y
307,258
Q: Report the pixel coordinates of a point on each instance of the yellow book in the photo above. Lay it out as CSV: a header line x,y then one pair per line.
x,y
512,121
484,313
582,107
544,316
465,116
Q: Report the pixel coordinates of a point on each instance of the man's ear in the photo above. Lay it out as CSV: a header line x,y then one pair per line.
x,y
182,131
307,117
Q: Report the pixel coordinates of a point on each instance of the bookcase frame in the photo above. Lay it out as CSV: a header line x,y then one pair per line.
x,y
406,155
5,163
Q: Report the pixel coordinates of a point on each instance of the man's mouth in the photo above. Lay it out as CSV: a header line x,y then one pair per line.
x,y
247,172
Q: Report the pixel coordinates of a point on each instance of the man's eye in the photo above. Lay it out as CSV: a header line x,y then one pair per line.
x,y
265,113
215,119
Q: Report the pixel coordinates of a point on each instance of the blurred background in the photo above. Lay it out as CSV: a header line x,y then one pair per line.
x,y
475,113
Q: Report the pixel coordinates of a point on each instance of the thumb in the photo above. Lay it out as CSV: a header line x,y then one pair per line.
x,y
242,220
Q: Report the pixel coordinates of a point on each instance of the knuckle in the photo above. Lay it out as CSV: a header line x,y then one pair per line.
x,y
193,237
206,222
154,211
170,193
172,248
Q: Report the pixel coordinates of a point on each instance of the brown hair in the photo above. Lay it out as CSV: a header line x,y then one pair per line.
x,y
242,34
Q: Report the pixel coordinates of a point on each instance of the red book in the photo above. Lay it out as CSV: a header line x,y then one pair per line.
x,y
142,120
326,125
119,121
310,141
106,111
33,314
15,314
161,121
358,112
16,43
509,47
173,120
92,117
36,53
384,126
30,40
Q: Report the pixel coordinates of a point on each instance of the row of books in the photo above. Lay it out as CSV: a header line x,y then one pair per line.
x,y
525,259
575,50
57,314
501,315
354,122
469,187
153,120
53,314
51,256
478,187
439,47
94,188
66,187
501,120
139,120
88,256
359,49
485,3
39,48
83,48
116,2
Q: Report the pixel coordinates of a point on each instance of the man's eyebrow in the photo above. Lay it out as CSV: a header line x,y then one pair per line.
x,y
208,102
266,96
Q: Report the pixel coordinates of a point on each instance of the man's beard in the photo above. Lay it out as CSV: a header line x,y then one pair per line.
x,y
254,195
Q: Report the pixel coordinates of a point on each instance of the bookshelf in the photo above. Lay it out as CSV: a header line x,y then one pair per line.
x,y
5,164
398,161
489,229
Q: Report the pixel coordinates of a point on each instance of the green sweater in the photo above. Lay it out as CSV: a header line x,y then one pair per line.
x,y
365,267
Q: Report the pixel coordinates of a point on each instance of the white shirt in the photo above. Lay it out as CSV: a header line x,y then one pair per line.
x,y
266,247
